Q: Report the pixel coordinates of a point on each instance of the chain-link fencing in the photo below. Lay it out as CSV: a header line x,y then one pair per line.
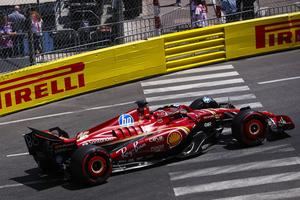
x,y
201,13
35,31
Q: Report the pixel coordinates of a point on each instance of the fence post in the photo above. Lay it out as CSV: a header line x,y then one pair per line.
x,y
118,26
157,20
258,4
191,13
32,58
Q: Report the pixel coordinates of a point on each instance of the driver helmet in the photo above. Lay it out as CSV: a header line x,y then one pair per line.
x,y
208,102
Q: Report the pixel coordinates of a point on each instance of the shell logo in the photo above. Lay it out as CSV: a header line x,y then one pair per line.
x,y
174,138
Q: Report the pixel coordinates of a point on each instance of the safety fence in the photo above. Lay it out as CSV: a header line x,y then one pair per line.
x,y
68,30
78,74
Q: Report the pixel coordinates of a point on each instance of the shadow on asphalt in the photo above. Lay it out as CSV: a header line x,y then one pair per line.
x,y
38,181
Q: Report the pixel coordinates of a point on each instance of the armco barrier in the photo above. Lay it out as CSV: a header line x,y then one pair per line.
x,y
194,48
262,35
85,72
56,80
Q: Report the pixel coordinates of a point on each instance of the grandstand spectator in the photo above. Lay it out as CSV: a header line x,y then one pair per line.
x,y
218,10
6,34
36,28
193,7
230,10
201,14
18,24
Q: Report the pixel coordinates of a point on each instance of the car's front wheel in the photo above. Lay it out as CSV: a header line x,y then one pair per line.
x,y
249,127
90,164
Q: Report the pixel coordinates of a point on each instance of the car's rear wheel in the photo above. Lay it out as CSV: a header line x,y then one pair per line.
x,y
249,128
90,164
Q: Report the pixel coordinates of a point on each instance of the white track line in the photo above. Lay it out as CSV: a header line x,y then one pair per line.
x,y
28,183
279,80
35,118
202,69
275,195
110,106
11,185
17,154
213,156
237,183
235,168
252,105
193,86
218,99
190,78
198,93
64,113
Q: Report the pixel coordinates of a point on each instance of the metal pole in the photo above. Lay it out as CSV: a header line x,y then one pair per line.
x,y
38,5
30,38
191,13
118,27
157,17
258,5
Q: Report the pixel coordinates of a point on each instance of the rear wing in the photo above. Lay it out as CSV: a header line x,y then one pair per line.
x,y
37,140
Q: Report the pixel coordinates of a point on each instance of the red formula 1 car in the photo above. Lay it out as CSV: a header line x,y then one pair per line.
x,y
142,137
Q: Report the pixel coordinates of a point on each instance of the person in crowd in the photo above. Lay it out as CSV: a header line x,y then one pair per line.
x,y
201,14
6,35
218,10
178,3
246,7
204,13
230,10
18,24
193,7
36,28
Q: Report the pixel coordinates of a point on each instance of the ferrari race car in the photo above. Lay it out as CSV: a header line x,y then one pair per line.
x,y
142,137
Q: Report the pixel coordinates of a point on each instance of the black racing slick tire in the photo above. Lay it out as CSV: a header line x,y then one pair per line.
x,y
249,128
90,165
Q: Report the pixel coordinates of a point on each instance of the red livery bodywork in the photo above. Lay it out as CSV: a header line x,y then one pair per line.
x,y
142,137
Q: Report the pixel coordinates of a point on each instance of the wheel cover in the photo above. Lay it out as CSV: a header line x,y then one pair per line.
x,y
254,129
97,166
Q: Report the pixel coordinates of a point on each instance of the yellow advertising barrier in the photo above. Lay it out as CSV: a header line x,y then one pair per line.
x,y
85,72
262,35
194,48
81,73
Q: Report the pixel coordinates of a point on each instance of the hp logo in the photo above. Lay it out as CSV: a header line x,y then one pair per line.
x,y
126,120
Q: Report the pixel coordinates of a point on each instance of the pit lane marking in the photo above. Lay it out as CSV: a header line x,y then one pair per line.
x,y
279,80
65,113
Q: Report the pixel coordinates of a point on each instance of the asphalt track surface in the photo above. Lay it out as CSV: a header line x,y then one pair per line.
x,y
270,171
